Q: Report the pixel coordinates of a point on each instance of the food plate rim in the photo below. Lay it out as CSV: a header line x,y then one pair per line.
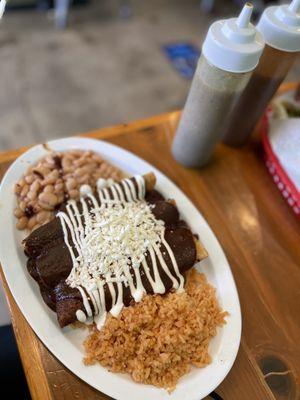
x,y
194,386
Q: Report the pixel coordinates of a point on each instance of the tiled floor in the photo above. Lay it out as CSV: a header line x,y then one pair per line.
x,y
101,71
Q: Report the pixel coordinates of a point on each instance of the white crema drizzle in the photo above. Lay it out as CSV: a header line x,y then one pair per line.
x,y
109,237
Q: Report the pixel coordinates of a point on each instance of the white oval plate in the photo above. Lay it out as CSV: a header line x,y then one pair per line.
x,y
66,344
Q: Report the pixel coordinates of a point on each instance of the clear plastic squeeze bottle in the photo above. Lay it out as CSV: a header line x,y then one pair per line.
x,y
280,26
230,53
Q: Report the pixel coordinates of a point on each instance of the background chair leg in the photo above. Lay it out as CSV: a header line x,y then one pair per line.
x,y
125,8
61,13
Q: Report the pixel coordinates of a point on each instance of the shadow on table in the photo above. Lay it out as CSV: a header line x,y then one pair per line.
x,y
12,378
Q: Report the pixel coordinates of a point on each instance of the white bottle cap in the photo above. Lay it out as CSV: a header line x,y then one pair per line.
x,y
234,44
280,26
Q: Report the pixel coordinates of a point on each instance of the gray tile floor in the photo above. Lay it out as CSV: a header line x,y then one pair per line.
x,y
101,71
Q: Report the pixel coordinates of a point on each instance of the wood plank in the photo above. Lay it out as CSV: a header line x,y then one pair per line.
x,y
251,378
260,236
63,383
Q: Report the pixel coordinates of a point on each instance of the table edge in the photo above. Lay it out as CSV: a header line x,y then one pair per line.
x,y
42,389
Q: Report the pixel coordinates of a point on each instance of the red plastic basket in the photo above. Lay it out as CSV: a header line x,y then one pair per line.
x,y
280,177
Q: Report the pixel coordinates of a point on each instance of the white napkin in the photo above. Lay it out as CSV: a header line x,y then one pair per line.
x,y
284,137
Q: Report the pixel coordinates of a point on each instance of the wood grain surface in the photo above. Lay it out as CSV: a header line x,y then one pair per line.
x,y
260,236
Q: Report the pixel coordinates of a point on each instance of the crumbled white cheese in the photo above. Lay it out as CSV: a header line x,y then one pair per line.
x,y
109,182
101,183
117,235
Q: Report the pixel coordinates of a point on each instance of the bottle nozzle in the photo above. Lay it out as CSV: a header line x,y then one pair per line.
x,y
2,7
245,15
295,6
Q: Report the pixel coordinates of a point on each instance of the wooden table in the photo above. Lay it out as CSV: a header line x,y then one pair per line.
x,y
260,236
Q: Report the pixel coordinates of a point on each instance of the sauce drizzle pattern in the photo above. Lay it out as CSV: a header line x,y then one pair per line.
x,y
77,226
